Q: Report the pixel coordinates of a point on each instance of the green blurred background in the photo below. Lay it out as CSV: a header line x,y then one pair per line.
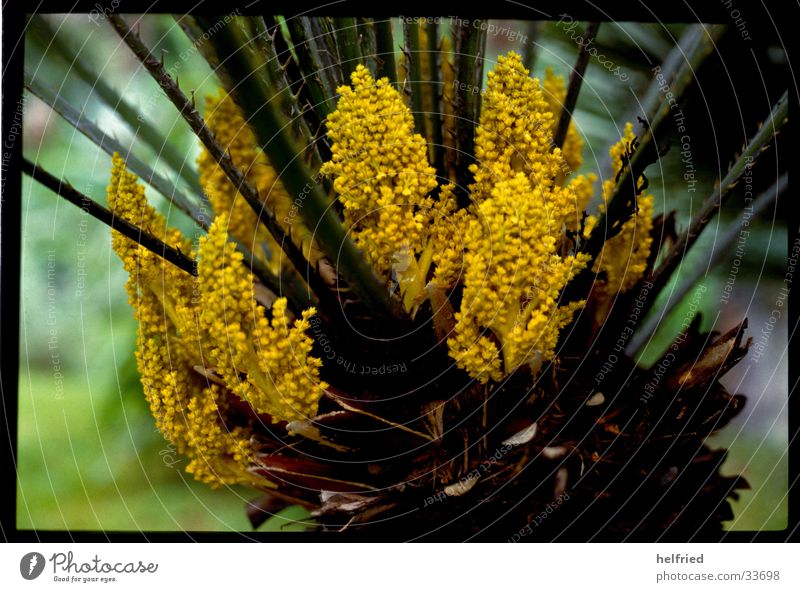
x,y
89,456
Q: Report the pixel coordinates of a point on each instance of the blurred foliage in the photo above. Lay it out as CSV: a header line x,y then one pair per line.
x,y
89,457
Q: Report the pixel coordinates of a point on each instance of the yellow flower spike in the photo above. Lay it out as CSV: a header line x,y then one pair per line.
x,y
624,257
513,276
266,364
514,131
186,410
381,171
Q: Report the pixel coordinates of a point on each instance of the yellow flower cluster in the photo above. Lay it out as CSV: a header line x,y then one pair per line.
x,y
265,363
225,120
513,274
381,174
514,271
624,257
514,131
193,354
186,409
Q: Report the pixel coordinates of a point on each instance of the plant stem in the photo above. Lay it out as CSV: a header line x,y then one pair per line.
x,y
198,125
384,40
760,141
574,88
437,138
315,209
310,69
347,42
51,40
470,48
110,146
106,216
532,32
722,249
414,55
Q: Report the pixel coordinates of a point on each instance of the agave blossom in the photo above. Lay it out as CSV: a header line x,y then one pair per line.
x,y
427,335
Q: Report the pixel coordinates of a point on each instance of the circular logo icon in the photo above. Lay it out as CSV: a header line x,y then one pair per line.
x,y
31,565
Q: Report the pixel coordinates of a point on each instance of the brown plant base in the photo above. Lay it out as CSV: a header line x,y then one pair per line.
x,y
554,460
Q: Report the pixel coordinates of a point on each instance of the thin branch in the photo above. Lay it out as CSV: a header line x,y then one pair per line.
x,y
760,141
722,250
678,72
50,39
314,207
106,216
109,145
574,88
196,122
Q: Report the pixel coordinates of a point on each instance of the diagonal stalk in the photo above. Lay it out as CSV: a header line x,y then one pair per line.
x,y
574,88
721,250
296,83
297,298
110,146
384,40
264,39
49,39
320,32
272,132
197,124
678,71
107,217
310,69
760,142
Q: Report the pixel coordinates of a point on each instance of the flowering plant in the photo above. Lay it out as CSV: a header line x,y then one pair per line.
x,y
408,302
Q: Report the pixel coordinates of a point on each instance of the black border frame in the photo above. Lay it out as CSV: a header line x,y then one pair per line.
x,y
779,16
